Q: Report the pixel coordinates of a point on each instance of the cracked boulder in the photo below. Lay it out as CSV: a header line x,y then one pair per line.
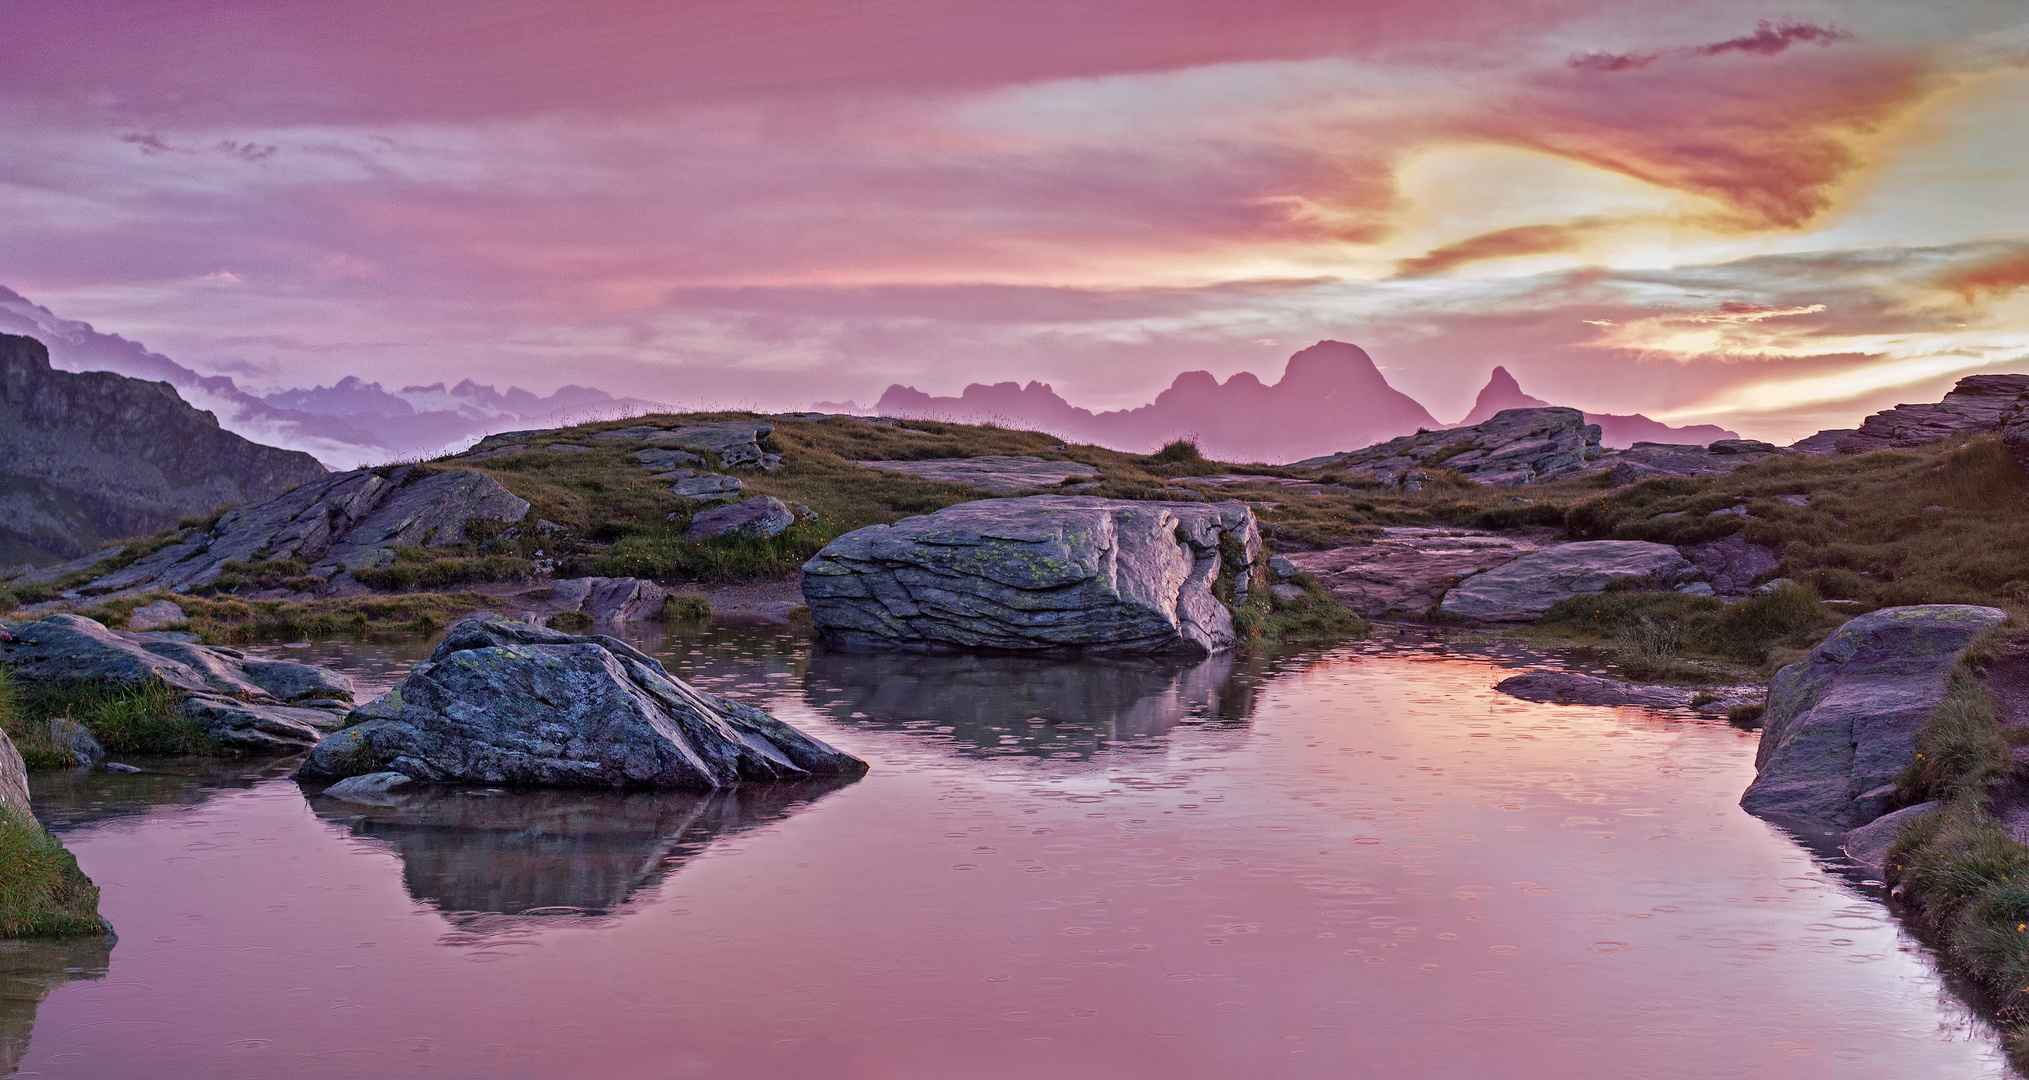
x,y
1043,574
502,702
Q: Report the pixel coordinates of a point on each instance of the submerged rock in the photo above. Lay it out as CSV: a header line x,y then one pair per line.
x,y
1841,723
1406,570
502,702
1046,573
246,705
997,474
1525,589
1573,688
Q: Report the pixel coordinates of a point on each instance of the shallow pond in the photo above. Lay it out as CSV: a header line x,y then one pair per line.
x,y
1357,863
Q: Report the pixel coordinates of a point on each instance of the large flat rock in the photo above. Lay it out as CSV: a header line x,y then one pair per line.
x,y
736,443
1841,723
501,702
1406,571
998,474
1525,589
1046,573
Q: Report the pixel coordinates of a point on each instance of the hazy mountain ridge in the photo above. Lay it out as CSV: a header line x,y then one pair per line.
x,y
347,424
1331,398
86,458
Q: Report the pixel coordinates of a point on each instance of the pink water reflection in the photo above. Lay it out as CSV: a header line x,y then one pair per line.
x,y
1383,870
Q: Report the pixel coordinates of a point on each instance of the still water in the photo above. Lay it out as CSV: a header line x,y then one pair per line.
x,y
1356,863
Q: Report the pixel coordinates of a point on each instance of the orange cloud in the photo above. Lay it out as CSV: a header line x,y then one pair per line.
x,y
1501,244
1992,277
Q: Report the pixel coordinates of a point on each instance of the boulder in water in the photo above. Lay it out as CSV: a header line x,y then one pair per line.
x,y
502,702
1043,574
1841,723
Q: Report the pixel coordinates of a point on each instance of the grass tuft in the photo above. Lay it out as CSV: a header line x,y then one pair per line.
x,y
42,891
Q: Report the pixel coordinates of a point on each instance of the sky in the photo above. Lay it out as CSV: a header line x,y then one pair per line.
x,y
1772,217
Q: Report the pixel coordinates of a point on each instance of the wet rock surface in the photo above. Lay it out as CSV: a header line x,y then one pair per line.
x,y
995,474
1517,446
1407,570
760,517
501,702
1841,723
344,522
1526,588
1868,845
248,706
1046,573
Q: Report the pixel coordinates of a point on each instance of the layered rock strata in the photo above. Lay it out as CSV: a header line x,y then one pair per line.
x,y
1979,403
1046,573
1525,589
1517,446
501,702
1841,723
249,706
339,524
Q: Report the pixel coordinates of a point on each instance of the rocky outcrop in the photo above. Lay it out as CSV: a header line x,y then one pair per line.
x,y
1406,570
703,487
996,474
1733,564
758,518
86,458
340,524
1573,688
1648,460
1517,446
736,443
611,600
1525,589
1842,722
1978,404
250,706
1046,573
501,702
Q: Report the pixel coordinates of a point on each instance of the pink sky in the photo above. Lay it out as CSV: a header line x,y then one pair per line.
x,y
1773,218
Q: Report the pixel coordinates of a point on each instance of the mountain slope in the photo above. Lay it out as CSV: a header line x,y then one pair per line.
x,y
86,458
1331,396
1617,432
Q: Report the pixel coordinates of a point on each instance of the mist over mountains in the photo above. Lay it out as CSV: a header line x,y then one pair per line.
x,y
1331,398
344,425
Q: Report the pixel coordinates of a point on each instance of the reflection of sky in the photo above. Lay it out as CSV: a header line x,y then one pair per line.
x,y
765,207
1388,870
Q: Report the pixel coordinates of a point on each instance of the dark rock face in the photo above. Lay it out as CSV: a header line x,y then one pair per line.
x,y
1525,589
341,523
1407,570
736,443
1047,573
502,702
1517,446
1841,723
611,600
760,517
86,458
249,706
1979,403
1732,564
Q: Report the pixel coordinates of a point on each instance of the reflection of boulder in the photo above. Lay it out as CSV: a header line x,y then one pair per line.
x,y
29,972
1023,705
563,852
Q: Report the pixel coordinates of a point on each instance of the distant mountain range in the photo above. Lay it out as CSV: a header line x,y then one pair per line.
x,y
347,424
1331,398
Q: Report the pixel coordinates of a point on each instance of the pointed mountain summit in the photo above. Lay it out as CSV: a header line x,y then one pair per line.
x,y
1501,392
1331,396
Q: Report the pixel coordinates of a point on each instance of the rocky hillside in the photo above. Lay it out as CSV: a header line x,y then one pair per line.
x,y
87,458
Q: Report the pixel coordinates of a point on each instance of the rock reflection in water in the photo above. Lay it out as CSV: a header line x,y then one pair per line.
x,y
553,853
1025,705
29,971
